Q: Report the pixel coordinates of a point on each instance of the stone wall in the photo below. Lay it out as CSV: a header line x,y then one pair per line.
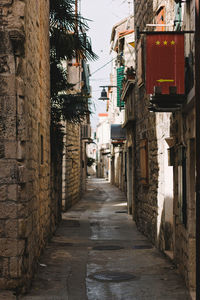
x,y
145,195
151,193
183,132
24,138
56,175
160,213
72,165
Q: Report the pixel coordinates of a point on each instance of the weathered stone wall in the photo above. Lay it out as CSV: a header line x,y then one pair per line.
x,y
150,197
183,131
72,165
146,195
119,167
158,204
24,138
56,175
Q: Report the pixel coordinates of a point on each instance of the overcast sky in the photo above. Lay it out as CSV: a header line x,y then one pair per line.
x,y
104,14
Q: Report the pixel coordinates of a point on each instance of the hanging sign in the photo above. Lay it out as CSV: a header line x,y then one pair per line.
x,y
165,62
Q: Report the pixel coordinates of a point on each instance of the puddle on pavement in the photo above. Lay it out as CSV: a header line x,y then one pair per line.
x,y
61,244
107,247
70,223
113,276
142,247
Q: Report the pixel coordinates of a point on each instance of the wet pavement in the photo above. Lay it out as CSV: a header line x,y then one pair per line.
x,y
98,254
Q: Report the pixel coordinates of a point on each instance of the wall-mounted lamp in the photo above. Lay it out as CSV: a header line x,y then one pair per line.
x,y
104,93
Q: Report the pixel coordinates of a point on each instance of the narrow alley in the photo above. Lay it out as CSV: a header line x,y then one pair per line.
x,y
98,254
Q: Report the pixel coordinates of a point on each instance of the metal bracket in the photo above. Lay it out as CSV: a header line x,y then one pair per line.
x,y
138,32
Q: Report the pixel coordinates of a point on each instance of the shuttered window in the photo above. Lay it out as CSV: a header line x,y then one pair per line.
x,y
120,77
178,16
140,62
182,199
160,18
144,161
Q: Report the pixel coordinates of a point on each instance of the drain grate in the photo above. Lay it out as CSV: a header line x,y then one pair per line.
x,y
113,276
121,212
71,223
94,224
107,247
61,244
142,247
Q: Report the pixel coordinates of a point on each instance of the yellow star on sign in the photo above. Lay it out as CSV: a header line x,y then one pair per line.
x,y
172,42
165,42
157,42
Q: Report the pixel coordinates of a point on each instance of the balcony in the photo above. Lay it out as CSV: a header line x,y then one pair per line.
x,y
118,135
128,96
166,102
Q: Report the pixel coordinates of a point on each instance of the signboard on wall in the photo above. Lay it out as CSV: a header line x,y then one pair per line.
x,y
165,62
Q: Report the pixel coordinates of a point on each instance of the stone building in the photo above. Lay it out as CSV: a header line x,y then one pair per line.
x,y
103,146
122,49
182,150
25,204
76,137
164,141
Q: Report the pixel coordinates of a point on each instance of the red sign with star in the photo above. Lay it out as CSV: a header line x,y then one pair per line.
x,y
165,62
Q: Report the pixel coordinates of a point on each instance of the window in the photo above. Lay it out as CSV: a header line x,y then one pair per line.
x,y
42,150
140,62
178,16
144,178
160,18
182,199
120,77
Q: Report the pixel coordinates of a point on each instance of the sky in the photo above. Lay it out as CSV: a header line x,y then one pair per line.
x,y
103,15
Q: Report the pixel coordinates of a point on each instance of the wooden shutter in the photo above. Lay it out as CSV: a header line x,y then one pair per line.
x,y
120,77
140,62
144,161
178,16
160,18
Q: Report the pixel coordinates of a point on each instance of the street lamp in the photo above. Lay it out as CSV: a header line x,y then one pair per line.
x,y
104,93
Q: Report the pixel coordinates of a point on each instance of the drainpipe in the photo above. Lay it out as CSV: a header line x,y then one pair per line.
x,y
197,109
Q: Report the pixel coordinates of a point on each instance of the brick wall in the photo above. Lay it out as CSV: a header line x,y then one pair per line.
x,y
24,138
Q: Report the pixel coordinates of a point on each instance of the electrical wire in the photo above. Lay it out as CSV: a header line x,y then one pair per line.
x,y
102,66
98,69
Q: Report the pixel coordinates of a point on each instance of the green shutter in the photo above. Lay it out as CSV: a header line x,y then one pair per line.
x,y
120,77
178,16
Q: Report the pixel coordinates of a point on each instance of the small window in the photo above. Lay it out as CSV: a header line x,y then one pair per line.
x,y
178,16
160,18
140,62
120,77
42,150
182,199
144,178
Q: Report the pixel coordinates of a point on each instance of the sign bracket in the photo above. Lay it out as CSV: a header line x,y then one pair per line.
x,y
138,32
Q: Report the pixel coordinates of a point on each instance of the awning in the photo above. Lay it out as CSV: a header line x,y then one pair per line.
x,y
117,132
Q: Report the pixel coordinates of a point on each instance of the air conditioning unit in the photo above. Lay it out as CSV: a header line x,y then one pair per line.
x,y
85,131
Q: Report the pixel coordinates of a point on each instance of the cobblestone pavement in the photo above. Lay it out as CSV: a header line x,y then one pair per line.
x,y
98,254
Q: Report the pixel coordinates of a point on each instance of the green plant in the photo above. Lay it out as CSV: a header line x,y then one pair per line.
x,y
68,39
